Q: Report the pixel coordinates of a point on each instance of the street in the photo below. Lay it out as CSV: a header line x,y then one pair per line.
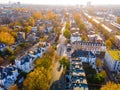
x,y
57,75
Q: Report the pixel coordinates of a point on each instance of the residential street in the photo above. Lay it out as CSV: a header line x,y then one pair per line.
x,y
61,51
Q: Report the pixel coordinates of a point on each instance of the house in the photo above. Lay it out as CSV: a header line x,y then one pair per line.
x,y
96,48
112,60
77,77
8,75
26,63
32,37
117,41
34,29
75,37
49,27
85,56
74,30
2,46
21,36
95,38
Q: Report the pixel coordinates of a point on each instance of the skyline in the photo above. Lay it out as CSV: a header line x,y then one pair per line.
x,y
63,2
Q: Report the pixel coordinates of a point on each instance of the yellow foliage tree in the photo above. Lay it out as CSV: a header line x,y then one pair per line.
x,y
7,38
111,86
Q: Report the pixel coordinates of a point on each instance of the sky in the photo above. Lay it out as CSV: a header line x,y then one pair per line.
x,y
63,2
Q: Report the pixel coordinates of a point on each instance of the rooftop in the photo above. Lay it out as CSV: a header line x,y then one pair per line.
x,y
115,54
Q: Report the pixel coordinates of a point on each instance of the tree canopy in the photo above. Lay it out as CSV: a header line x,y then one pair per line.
x,y
67,34
39,79
108,44
111,86
64,61
7,38
118,19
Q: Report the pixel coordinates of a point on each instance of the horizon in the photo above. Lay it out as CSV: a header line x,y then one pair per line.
x,y
63,2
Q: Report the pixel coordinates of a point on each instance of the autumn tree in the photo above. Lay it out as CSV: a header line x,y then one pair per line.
x,y
103,73
37,15
67,34
39,79
7,38
110,86
65,62
108,44
118,19
1,60
13,87
31,21
99,63
50,15
67,25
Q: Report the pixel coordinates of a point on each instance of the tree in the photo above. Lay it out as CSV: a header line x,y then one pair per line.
x,y
50,15
111,86
84,38
1,60
67,25
98,78
99,63
11,59
118,19
67,34
108,44
13,87
7,38
39,79
27,29
37,15
8,51
103,73
31,21
65,62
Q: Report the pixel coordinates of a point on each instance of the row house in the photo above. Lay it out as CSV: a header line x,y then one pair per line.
x,y
95,38
96,48
85,56
26,63
8,75
77,77
118,41
75,37
112,61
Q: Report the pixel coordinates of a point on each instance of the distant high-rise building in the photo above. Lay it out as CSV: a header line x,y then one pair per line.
x,y
89,4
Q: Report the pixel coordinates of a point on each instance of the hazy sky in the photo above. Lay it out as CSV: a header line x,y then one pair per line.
x,y
63,2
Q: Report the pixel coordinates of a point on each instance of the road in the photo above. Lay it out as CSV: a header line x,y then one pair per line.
x,y
61,48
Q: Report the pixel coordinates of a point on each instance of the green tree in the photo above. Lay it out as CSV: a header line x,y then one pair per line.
x,y
65,62
11,58
108,44
27,29
110,86
67,34
98,78
8,51
103,73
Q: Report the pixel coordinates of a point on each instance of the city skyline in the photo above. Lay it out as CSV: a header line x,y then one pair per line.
x,y
63,2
